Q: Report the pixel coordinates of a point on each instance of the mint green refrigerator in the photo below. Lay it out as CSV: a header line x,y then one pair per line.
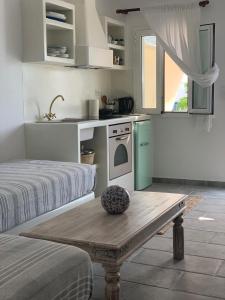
x,y
143,150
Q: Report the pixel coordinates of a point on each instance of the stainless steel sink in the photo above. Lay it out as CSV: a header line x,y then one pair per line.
x,y
66,120
74,120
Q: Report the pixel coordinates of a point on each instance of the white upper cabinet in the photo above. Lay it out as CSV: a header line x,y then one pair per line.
x,y
48,32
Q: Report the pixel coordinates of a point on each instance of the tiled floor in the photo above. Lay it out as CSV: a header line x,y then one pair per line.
x,y
151,273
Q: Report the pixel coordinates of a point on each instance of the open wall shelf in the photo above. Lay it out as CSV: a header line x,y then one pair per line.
x,y
49,39
115,34
56,25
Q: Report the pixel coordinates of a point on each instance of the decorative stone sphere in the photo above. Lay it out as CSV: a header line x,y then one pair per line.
x,y
115,200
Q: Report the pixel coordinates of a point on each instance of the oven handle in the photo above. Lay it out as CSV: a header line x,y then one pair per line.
x,y
123,138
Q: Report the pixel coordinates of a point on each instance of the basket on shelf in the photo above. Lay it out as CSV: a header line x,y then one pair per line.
x,y
87,157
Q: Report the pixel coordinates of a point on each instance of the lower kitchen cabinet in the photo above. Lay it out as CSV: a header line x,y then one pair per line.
x,y
111,140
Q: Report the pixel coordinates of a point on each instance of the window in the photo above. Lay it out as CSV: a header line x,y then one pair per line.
x,y
165,87
175,87
149,71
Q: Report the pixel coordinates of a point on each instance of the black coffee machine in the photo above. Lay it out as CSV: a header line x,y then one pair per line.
x,y
126,105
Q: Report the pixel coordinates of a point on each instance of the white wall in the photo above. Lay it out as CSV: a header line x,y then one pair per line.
x,y
42,84
11,102
183,146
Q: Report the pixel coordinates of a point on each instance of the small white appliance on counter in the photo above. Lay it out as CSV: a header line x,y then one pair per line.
x,y
93,109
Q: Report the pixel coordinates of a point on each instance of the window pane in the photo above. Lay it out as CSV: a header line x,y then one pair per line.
x,y
201,95
149,71
176,85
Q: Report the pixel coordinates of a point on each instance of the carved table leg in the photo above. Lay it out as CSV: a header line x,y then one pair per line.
x,y
112,281
178,238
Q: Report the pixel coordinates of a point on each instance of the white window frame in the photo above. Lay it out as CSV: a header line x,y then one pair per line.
x,y
210,93
160,77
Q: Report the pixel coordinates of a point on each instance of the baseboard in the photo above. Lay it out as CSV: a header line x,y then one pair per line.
x,y
208,183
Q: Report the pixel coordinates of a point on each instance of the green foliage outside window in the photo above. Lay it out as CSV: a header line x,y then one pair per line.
x,y
182,104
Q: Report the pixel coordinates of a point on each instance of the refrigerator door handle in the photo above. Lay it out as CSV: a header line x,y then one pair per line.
x,y
144,144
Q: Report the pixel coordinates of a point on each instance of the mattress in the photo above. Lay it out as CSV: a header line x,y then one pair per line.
x,y
40,270
30,188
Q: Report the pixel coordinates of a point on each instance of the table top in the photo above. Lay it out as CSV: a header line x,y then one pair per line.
x,y
89,223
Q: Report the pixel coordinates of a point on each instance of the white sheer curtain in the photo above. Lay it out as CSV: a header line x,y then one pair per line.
x,y
177,29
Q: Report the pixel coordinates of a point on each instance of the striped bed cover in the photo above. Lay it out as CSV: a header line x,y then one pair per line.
x,y
30,188
40,270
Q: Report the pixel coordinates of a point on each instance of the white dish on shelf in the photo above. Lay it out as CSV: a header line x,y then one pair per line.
x,y
62,50
65,55
55,15
52,54
57,50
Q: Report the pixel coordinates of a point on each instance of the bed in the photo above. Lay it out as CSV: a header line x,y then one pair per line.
x,y
31,188
40,270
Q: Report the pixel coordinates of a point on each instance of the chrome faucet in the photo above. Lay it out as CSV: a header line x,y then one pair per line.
x,y
51,116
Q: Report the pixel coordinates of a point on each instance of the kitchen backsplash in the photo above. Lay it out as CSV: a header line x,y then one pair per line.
x,y
42,83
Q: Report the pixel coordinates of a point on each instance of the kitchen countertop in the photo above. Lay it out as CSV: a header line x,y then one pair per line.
x,y
98,123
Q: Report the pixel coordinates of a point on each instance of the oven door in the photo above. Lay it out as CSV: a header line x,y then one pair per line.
x,y
120,155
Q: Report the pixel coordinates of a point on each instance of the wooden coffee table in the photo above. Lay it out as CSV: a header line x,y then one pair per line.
x,y
110,240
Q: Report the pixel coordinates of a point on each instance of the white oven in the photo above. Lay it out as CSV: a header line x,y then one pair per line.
x,y
120,150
